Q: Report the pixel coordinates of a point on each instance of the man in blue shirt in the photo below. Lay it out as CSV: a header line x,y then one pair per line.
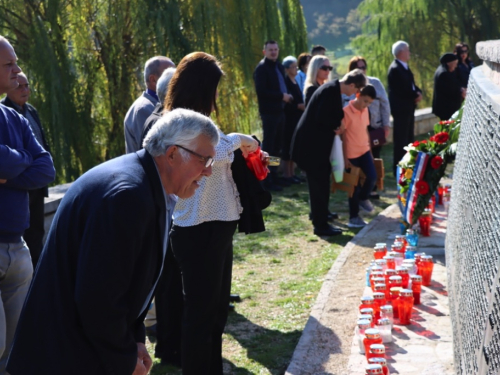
x,y
17,99
24,166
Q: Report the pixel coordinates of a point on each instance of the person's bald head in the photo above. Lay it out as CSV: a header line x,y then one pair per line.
x,y
8,66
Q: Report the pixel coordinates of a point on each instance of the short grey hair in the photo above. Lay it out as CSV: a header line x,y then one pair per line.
x,y
163,82
289,60
398,47
179,127
152,66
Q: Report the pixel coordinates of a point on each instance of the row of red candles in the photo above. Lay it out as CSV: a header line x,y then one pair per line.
x,y
391,287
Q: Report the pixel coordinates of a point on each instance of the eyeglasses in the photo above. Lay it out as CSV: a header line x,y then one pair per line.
x,y
209,161
362,67
325,68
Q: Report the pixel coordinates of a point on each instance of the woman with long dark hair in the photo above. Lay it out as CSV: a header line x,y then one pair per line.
x,y
202,234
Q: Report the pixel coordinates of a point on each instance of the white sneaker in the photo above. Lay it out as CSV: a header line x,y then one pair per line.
x,y
366,205
356,222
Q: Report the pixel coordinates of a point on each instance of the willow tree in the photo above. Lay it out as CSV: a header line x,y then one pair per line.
x,y
431,27
85,59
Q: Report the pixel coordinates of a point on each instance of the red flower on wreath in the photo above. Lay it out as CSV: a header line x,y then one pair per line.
x,y
422,187
424,141
416,144
436,162
448,122
441,137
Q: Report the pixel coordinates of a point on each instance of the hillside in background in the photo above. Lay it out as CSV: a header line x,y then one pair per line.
x,y
331,23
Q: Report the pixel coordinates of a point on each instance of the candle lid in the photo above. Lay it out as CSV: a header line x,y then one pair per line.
x,y
401,270
406,293
396,290
388,257
416,278
377,273
377,269
364,323
410,231
386,308
378,361
372,333
379,280
379,249
381,262
384,321
367,299
400,237
418,255
366,311
377,348
378,295
365,317
380,286
426,258
395,278
390,272
381,244
373,369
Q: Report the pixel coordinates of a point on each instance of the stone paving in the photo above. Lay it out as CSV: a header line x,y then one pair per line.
x,y
328,345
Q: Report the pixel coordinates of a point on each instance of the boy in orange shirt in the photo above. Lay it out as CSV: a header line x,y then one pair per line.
x,y
357,152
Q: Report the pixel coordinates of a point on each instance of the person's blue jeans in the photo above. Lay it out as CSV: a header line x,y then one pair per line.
x,y
16,271
365,162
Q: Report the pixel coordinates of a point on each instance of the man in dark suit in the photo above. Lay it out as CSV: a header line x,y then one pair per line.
x,y
313,139
104,254
17,99
272,94
404,95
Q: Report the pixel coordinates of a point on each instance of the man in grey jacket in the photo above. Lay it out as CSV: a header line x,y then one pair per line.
x,y
145,104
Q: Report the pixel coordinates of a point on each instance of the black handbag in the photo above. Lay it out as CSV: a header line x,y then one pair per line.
x,y
377,137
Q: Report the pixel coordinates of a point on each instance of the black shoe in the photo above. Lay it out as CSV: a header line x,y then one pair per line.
x,y
231,307
234,298
327,231
283,182
151,330
332,216
374,196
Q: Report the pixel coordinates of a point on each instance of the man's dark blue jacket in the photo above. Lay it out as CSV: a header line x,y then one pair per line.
x,y
85,309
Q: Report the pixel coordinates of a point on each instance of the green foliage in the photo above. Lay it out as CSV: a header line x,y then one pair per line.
x,y
431,27
84,59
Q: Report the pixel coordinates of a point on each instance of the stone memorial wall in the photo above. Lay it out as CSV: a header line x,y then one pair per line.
x,y
473,237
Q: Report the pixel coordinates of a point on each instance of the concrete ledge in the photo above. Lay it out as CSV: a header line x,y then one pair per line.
x,y
489,52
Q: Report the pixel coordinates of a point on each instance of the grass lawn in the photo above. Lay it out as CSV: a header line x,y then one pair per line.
x,y
279,273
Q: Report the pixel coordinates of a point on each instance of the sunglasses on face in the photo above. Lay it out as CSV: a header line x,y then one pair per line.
x,y
464,52
362,67
325,68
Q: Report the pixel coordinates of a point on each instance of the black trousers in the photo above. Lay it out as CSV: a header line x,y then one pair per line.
x,y
272,127
204,254
34,234
403,133
318,182
169,306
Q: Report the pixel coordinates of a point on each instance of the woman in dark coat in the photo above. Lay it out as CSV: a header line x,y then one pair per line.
x,y
448,91
465,64
293,112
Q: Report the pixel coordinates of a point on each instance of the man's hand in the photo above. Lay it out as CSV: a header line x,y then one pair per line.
x,y
144,361
341,129
419,97
287,98
3,181
463,91
387,129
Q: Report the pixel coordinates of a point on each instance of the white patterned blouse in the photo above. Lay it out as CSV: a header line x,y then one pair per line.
x,y
217,198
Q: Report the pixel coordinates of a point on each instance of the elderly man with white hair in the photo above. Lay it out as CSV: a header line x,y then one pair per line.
x,y
144,105
105,252
404,95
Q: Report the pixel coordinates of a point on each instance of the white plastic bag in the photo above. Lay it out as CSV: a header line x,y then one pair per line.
x,y
337,159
